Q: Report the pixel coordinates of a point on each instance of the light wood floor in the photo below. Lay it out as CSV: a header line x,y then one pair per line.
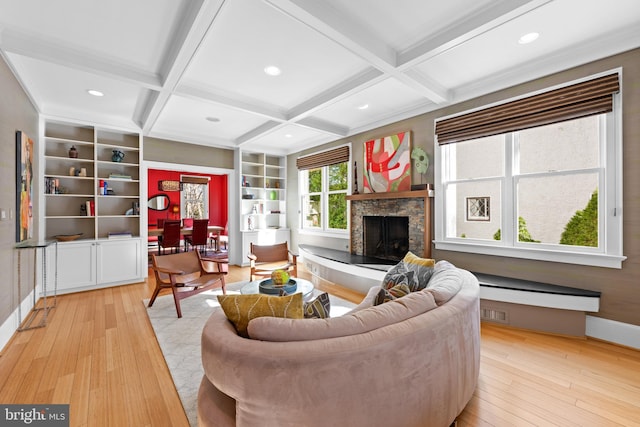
x,y
99,354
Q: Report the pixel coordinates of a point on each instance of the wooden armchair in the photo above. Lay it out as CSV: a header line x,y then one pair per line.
x,y
186,274
264,259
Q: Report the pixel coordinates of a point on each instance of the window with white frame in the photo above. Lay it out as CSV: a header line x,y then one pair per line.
x,y
555,189
194,197
324,185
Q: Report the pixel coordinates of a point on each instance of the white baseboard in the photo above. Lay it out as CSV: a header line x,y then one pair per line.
x,y
613,331
9,327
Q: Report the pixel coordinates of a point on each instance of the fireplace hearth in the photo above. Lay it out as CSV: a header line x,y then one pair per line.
x,y
386,237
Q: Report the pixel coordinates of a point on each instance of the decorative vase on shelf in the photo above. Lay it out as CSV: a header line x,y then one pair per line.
x,y
73,152
117,156
273,195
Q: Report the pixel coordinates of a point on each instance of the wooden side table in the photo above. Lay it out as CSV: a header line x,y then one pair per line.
x,y
35,247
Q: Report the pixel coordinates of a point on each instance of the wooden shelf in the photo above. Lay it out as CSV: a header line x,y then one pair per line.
x,y
390,195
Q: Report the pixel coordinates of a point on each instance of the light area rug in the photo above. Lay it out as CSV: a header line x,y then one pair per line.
x,y
179,339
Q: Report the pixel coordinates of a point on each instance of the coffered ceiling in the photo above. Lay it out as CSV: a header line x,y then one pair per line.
x,y
194,70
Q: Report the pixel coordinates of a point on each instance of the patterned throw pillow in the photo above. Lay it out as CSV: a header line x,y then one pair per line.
x,y
318,308
399,274
422,267
386,295
240,309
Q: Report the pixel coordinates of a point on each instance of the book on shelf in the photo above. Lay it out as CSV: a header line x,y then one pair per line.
x,y
90,207
120,235
51,185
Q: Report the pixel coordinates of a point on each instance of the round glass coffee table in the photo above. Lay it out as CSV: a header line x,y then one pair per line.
x,y
303,286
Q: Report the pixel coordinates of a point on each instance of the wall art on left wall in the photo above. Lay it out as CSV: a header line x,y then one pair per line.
x,y
24,187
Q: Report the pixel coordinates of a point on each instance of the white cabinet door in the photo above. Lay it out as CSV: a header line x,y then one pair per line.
x,y
76,265
118,261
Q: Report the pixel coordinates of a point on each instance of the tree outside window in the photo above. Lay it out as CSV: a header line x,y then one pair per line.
x,y
324,197
195,200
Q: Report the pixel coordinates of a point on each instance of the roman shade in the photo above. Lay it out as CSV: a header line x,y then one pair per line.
x,y
571,102
194,179
325,158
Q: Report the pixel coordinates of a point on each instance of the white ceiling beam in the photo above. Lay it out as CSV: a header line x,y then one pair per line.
x,y
185,136
323,126
261,130
478,24
341,91
354,37
189,35
327,21
230,100
40,49
425,86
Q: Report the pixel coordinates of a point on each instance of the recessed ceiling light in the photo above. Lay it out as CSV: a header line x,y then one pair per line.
x,y
363,106
288,135
528,38
212,119
272,70
95,92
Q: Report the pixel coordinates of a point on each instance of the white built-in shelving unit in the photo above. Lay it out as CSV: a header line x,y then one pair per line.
x,y
109,248
263,199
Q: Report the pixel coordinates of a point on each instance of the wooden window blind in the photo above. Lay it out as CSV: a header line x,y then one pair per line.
x,y
195,179
325,158
583,99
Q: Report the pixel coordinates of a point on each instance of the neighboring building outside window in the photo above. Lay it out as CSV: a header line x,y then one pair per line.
x,y
554,192
323,193
478,209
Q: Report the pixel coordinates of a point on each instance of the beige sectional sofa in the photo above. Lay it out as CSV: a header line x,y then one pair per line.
x,y
413,361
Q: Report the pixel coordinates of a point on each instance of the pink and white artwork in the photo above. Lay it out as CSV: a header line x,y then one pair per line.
x,y
388,164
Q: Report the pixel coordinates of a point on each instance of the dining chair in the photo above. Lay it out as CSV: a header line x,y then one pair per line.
x,y
159,224
220,238
170,236
199,236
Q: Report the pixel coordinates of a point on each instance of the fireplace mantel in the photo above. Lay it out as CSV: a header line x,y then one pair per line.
x,y
389,195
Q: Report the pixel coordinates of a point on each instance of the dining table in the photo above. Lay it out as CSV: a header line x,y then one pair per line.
x,y
187,231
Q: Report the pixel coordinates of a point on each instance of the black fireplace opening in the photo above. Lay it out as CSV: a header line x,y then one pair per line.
x,y
386,237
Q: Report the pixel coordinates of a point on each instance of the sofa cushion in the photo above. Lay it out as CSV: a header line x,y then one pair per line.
x,y
421,267
399,274
445,282
362,321
386,295
318,308
240,309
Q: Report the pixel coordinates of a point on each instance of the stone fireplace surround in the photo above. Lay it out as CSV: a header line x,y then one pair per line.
x,y
414,204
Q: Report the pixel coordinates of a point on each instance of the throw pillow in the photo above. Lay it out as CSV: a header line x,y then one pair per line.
x,y
240,309
445,282
422,267
318,308
399,274
386,295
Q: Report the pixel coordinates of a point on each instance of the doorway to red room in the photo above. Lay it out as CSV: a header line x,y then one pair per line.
x,y
209,196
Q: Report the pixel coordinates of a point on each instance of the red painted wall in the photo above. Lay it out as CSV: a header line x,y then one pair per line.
x,y
218,206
